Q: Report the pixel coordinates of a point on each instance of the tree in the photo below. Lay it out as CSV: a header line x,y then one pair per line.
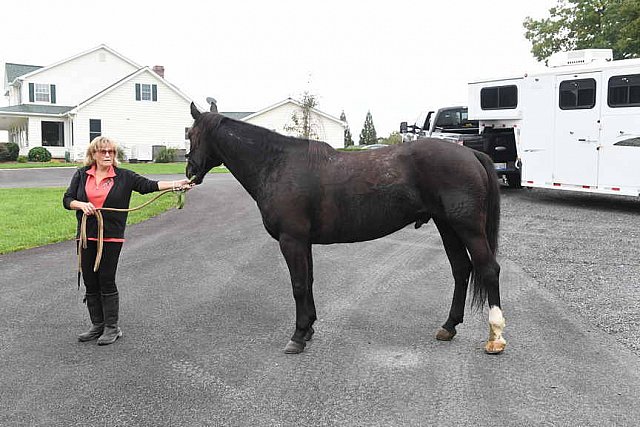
x,y
392,139
587,24
348,140
302,121
368,134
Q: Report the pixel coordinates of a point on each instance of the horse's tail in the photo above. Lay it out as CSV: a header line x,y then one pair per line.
x,y
492,226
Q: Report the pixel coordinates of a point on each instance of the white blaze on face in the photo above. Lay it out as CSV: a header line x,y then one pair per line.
x,y
496,325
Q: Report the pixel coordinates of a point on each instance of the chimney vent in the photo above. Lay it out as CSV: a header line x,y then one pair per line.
x,y
159,70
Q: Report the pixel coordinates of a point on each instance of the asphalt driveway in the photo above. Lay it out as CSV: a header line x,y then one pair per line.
x,y
48,177
207,308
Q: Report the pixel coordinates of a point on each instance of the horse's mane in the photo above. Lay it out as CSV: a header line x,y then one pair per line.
x,y
271,142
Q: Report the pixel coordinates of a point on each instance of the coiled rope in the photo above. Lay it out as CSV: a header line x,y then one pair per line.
x,y
82,244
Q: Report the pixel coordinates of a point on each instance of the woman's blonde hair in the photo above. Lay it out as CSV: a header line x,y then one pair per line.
x,y
100,143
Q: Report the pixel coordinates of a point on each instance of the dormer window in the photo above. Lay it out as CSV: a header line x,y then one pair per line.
x,y
146,92
39,92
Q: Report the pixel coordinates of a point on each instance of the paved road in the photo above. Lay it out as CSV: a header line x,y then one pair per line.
x,y
207,309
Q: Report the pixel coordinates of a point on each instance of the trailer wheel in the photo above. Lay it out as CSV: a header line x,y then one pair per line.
x,y
514,180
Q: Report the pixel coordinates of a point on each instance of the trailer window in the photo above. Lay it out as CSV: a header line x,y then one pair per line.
x,y
577,94
499,97
624,91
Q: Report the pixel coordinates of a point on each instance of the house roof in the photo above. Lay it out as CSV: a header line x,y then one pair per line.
x,y
11,71
237,115
292,101
102,46
34,109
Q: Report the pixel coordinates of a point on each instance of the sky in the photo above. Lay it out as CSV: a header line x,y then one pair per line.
x,y
392,58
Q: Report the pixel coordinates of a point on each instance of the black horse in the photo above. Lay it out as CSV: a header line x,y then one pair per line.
x,y
308,193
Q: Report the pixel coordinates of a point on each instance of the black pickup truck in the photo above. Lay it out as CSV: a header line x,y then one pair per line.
x,y
452,124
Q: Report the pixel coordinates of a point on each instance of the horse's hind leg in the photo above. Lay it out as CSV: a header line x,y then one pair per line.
x,y
461,268
487,282
297,255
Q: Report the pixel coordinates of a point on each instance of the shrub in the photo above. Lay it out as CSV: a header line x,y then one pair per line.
x,y
166,155
39,154
9,152
22,159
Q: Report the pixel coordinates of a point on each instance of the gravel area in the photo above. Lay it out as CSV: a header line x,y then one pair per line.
x,y
582,248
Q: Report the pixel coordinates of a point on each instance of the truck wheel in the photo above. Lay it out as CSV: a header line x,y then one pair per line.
x,y
513,179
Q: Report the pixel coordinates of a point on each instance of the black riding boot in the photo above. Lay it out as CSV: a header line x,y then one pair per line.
x,y
94,305
110,307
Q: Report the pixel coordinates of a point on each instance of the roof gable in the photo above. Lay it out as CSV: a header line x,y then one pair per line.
x,y
64,61
297,103
122,81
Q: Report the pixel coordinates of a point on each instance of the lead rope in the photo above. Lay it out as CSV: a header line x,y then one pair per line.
x,y
82,243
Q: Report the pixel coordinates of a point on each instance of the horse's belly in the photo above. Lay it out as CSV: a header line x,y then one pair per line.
x,y
359,225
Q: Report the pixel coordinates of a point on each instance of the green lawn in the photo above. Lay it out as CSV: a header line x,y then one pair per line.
x,y
35,216
28,165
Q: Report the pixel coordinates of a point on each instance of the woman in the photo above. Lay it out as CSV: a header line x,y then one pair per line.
x,y
100,183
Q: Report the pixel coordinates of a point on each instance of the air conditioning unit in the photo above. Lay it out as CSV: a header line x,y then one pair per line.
x,y
579,57
142,153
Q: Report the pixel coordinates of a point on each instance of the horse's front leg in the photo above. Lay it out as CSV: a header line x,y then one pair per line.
x,y
297,255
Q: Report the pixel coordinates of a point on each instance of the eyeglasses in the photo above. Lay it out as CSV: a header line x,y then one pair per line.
x,y
105,152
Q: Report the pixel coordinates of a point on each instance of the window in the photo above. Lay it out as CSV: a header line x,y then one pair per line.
x,y
577,94
42,93
95,128
146,92
52,134
624,91
499,97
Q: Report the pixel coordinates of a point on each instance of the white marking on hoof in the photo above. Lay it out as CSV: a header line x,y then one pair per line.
x,y
496,342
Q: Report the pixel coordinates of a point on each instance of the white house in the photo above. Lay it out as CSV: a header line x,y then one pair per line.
x,y
65,105
279,118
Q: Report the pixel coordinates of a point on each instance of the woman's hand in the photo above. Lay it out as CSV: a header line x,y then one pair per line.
x,y
178,185
183,184
86,207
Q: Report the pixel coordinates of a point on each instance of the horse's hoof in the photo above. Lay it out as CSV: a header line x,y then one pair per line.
x,y
445,335
495,347
293,347
309,334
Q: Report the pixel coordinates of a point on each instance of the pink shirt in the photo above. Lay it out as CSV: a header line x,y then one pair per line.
x,y
97,192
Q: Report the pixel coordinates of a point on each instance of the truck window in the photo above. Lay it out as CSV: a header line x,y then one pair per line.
x,y
499,97
577,94
624,91
455,120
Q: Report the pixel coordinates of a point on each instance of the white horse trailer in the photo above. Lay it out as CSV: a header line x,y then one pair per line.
x,y
576,124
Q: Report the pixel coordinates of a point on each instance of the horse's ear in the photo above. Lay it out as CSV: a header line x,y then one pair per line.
x,y
194,111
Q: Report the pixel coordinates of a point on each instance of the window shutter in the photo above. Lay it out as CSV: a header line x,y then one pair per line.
x,y
32,91
53,94
154,92
138,92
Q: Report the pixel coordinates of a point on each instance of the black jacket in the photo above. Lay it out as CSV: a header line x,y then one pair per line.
x,y
124,183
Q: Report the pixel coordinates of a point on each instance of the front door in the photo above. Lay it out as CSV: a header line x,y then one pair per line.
x,y
577,129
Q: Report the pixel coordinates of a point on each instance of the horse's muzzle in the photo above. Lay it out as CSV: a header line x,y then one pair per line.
x,y
192,171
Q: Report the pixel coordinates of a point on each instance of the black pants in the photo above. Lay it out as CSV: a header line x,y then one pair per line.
x,y
104,280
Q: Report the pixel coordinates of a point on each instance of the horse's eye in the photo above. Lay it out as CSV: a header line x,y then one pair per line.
x,y
186,156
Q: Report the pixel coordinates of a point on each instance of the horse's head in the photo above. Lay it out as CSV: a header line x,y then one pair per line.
x,y
203,154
